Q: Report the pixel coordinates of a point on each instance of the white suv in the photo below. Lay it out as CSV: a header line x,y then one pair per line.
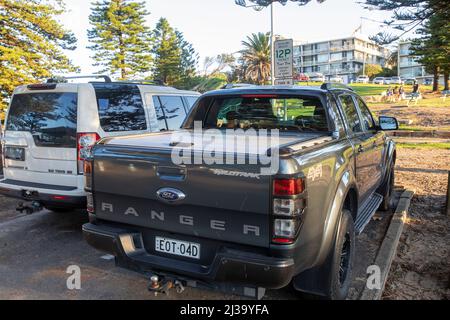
x,y
362,79
51,127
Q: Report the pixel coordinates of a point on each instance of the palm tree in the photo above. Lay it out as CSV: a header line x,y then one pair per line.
x,y
256,57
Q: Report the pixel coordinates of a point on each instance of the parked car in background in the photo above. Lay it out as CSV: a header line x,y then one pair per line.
x,y
396,80
51,127
387,80
302,77
337,79
362,79
296,223
379,80
316,77
410,81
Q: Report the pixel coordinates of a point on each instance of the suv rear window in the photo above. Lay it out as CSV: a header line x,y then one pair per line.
x,y
291,113
50,117
120,107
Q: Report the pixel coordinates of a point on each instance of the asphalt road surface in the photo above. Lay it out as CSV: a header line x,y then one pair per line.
x,y
36,251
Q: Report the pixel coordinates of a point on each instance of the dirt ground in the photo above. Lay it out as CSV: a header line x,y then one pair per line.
x,y
425,117
421,269
432,118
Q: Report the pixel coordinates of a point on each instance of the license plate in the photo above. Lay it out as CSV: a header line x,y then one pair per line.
x,y
16,154
178,248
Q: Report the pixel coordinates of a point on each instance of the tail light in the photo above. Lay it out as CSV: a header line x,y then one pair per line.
x,y
85,143
289,203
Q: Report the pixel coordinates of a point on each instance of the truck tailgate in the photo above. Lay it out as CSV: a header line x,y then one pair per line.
x,y
222,202
225,205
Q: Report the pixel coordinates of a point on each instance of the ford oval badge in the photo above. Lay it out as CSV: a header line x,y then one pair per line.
x,y
170,195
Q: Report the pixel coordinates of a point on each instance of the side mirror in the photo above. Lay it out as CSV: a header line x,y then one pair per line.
x,y
388,123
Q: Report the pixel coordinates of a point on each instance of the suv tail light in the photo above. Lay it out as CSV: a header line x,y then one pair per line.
x,y
85,142
289,203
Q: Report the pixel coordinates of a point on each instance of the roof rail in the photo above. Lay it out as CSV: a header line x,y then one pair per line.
x,y
149,82
65,79
237,85
332,85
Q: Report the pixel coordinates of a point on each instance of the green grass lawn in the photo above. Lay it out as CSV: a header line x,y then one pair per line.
x,y
433,145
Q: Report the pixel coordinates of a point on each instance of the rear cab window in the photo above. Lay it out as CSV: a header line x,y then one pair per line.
x,y
50,117
283,112
120,107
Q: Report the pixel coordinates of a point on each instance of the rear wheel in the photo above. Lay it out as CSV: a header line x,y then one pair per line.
x,y
343,257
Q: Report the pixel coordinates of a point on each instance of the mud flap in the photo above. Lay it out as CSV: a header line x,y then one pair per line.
x,y
317,280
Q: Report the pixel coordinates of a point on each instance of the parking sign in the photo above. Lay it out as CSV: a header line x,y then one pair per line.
x,y
284,59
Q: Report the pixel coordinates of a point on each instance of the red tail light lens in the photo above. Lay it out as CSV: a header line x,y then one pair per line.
x,y
288,187
85,142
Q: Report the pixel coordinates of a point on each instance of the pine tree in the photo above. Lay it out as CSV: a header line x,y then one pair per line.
x,y
31,43
406,15
189,62
175,58
121,42
433,48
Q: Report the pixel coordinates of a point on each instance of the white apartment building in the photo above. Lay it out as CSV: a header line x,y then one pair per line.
x,y
408,67
344,57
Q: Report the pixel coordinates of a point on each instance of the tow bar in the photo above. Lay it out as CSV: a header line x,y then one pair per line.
x,y
35,207
162,285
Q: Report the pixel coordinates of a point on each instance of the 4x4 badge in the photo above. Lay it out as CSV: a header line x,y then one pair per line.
x,y
170,195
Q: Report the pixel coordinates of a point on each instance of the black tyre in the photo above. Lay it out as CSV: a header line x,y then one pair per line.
x,y
388,192
343,258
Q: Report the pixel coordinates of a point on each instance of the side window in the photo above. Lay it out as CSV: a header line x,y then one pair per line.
x,y
162,123
120,107
191,101
173,110
351,113
367,118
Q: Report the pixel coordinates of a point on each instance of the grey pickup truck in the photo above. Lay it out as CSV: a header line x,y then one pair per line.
x,y
261,188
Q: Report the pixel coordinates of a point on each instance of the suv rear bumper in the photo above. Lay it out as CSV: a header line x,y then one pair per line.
x,y
61,197
230,266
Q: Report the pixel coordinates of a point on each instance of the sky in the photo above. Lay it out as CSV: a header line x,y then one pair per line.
x,y
219,26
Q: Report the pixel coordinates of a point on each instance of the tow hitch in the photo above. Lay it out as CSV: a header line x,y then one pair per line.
x,y
34,207
162,285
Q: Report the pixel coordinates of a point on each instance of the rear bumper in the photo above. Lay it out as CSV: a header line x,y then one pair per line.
x,y
232,266
57,196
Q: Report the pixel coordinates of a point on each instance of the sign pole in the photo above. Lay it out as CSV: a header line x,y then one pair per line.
x,y
272,44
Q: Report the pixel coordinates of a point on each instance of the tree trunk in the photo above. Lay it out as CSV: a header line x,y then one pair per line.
x,y
446,76
435,79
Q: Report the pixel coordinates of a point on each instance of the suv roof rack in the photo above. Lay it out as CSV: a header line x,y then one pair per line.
x,y
332,85
237,85
64,79
149,82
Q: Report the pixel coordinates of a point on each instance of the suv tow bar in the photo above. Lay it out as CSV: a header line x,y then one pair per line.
x,y
162,285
